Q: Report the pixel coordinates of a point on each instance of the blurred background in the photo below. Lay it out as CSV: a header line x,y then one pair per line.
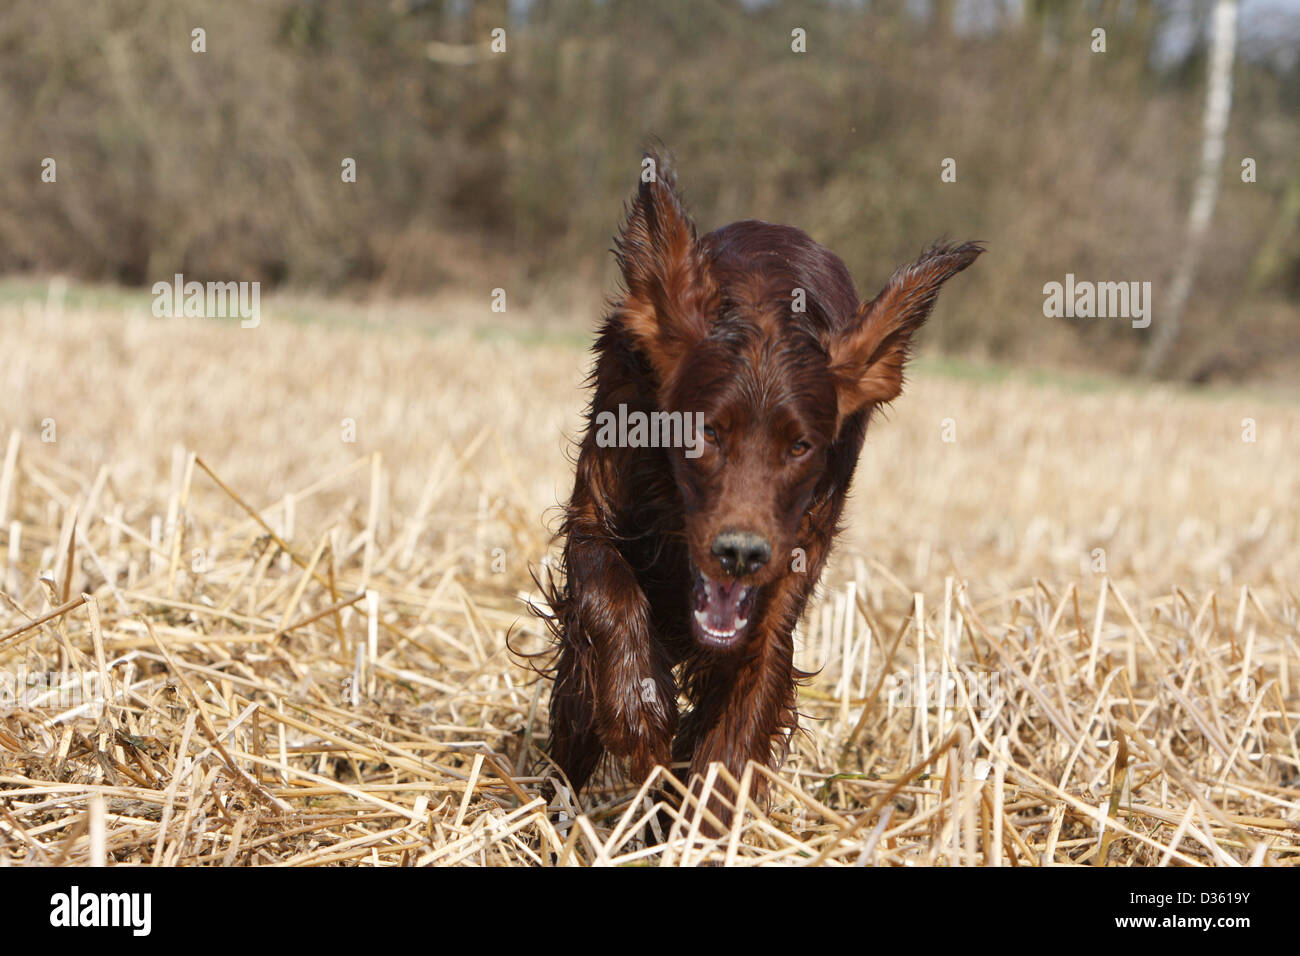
x,y
479,169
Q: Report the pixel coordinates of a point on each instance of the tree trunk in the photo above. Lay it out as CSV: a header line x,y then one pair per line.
x,y
1218,101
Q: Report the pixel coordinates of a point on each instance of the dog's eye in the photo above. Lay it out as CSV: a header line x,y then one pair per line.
x,y
710,434
799,449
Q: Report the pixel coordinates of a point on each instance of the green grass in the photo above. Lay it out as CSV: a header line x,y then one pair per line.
x,y
341,312
1088,381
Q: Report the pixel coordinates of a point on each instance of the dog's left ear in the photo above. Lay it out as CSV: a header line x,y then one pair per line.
x,y
668,284
867,357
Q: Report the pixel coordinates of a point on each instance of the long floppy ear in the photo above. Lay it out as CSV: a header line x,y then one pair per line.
x,y
668,284
867,357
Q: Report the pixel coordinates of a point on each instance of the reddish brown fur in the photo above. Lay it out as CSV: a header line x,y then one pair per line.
x,y
707,326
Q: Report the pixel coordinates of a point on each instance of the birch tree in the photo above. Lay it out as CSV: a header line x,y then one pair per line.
x,y
1218,103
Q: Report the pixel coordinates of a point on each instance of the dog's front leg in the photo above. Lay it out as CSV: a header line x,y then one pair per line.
x,y
634,697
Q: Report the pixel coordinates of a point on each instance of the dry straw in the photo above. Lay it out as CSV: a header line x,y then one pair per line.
x,y
231,636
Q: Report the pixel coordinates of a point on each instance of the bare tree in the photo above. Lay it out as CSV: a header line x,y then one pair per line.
x,y
1218,103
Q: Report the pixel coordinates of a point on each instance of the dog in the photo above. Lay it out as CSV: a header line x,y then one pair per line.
x,y
687,561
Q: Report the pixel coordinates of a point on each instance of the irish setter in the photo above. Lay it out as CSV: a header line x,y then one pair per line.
x,y
732,389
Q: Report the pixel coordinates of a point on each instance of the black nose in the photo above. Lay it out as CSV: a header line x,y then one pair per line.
x,y
741,552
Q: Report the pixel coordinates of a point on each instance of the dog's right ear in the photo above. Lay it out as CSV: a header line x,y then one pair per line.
x,y
669,289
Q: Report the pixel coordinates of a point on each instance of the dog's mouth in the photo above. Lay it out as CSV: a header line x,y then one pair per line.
x,y
721,611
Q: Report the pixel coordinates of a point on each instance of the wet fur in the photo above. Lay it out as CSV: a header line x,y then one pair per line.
x,y
706,324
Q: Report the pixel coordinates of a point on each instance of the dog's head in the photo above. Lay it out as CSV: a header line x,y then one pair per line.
x,y
756,335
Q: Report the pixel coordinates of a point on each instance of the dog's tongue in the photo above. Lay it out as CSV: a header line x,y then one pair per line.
x,y
721,608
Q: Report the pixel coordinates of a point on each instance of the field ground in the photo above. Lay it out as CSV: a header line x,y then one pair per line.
x,y
1110,570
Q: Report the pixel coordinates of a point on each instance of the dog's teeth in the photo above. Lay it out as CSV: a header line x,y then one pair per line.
x,y
720,635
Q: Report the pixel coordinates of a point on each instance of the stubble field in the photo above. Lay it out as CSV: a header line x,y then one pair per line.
x,y
302,547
